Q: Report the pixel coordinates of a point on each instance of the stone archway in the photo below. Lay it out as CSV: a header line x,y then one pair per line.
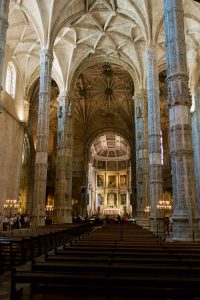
x,y
102,96
109,175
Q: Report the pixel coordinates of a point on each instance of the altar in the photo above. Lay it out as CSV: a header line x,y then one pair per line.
x,y
111,211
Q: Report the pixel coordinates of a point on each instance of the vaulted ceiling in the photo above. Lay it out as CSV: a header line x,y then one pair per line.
x,y
110,146
77,30
104,90
88,36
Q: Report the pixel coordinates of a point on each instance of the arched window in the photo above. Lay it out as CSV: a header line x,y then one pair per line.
x,y
11,79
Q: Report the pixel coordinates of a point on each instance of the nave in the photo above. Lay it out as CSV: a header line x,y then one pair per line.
x,y
115,261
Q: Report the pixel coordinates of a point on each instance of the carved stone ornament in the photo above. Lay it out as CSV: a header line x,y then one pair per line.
x,y
60,112
138,112
178,91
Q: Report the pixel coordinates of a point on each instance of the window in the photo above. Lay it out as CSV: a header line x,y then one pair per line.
x,y
11,79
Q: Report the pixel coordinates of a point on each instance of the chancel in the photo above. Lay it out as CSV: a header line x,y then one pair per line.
x,y
99,124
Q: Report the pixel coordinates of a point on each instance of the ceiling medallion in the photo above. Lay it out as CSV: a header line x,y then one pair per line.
x,y
108,91
107,70
109,108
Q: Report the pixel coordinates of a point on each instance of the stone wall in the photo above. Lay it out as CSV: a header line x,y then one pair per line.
x,y
11,136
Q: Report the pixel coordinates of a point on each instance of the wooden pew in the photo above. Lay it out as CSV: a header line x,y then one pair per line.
x,y
2,260
54,281
121,263
137,284
155,286
20,246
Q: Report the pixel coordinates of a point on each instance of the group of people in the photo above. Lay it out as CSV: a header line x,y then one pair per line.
x,y
96,219
17,221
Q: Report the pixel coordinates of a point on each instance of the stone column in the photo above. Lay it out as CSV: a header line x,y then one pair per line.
x,y
128,205
90,186
185,213
165,154
41,161
26,108
155,180
167,184
4,7
196,139
64,159
142,157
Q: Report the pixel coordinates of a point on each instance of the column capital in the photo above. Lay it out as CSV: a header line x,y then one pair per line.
x,y
142,93
62,97
46,53
66,95
151,50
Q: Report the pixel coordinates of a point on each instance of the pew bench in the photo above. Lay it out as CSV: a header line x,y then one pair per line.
x,y
153,287
2,260
53,281
78,258
84,267
137,285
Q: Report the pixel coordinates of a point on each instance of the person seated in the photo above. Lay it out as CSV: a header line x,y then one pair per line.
x,y
119,220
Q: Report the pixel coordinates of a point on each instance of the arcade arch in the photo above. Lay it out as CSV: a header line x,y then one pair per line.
x,y
109,175
103,109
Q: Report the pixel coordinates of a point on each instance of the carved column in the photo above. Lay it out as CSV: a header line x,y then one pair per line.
x,y
38,215
195,123
4,7
196,139
142,156
185,214
26,108
167,184
155,180
164,119
64,159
